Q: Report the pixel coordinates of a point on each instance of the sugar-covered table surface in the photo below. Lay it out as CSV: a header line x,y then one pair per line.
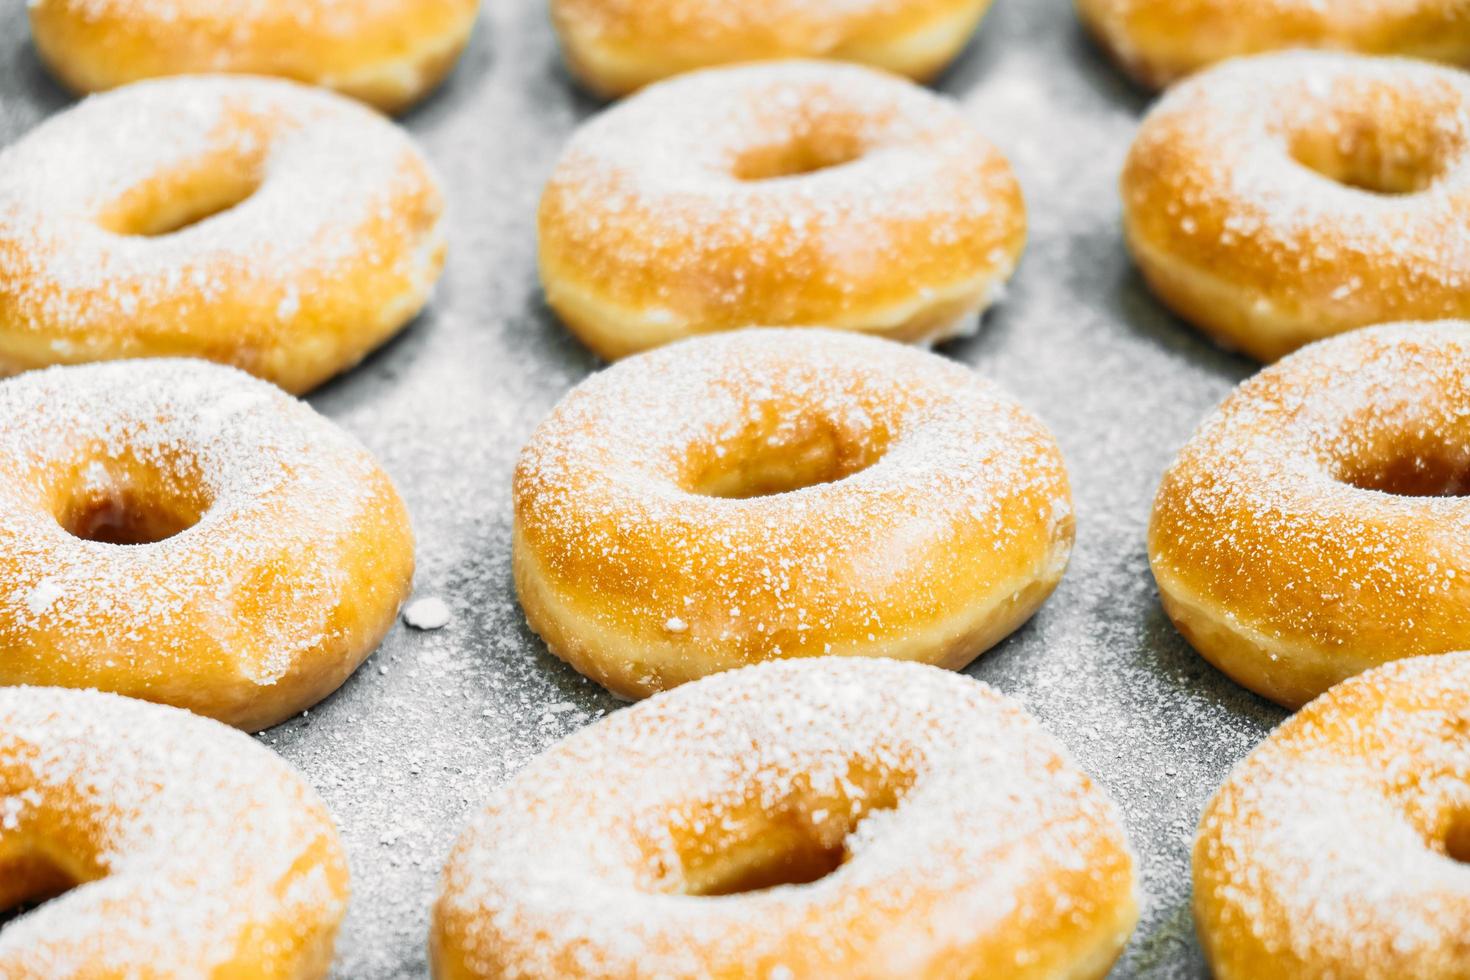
x,y
434,720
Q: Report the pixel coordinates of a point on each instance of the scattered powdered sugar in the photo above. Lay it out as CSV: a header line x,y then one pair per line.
x,y
1325,851
187,835
665,200
1266,512
280,487
427,614
960,822
1214,179
952,493
332,181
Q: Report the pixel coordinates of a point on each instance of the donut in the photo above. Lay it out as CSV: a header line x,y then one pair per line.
x,y
387,53
178,847
783,493
1314,526
1160,41
1338,848
817,818
177,531
1278,200
789,194
281,229
616,46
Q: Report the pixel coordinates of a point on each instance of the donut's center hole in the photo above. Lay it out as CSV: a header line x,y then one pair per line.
x,y
775,458
1367,161
29,880
128,503
1457,840
795,158
176,201
1427,474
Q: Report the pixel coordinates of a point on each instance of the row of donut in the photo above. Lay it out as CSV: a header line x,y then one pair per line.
x,y
391,54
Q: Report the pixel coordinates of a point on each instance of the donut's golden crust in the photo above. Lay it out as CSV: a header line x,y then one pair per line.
x,y
190,850
1337,848
616,46
292,554
1278,200
895,505
388,53
790,194
1302,535
957,840
329,240
1160,41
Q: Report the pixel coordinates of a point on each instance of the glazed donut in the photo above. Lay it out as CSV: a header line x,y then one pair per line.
x,y
1311,528
784,493
179,532
791,194
1160,41
183,849
1338,847
256,222
855,819
389,53
1278,200
616,46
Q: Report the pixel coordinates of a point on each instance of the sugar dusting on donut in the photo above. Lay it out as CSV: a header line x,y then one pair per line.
x,y
1212,176
605,471
555,875
199,828
329,169
1258,508
1326,846
264,458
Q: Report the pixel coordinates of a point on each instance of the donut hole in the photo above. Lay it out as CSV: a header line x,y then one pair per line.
x,y
1457,839
28,880
1433,472
777,459
126,502
174,202
1359,154
798,157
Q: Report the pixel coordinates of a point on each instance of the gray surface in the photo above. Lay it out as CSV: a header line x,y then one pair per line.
x,y
433,721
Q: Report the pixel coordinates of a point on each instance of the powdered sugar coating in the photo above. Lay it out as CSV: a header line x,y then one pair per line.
x,y
945,500
1227,192
1286,512
197,850
1325,852
790,193
971,841
333,247
294,568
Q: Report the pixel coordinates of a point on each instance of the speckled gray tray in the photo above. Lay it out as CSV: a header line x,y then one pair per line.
x,y
422,732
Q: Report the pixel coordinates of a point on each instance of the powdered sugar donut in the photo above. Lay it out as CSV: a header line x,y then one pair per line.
x,y
256,222
1281,199
615,46
386,52
189,849
1311,529
822,818
789,194
1158,41
179,532
1338,847
784,493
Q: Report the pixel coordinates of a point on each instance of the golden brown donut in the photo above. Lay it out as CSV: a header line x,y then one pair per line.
x,y
183,848
1278,200
389,53
1314,526
788,194
616,46
1338,848
784,493
812,819
180,532
1160,41
278,228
